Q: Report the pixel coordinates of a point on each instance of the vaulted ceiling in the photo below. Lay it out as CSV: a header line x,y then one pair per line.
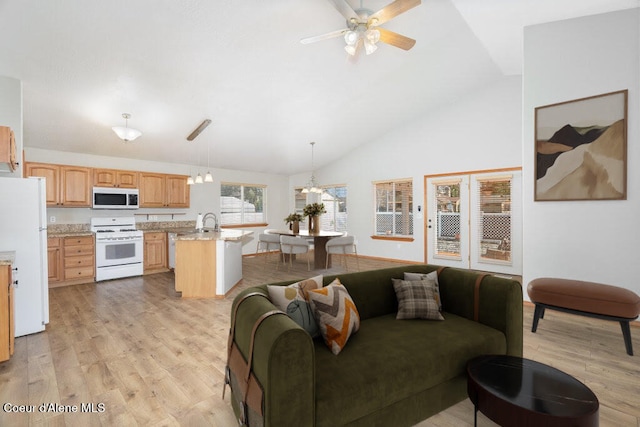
x,y
173,63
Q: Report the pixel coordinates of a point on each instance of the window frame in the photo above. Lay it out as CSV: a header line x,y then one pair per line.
x,y
393,234
243,222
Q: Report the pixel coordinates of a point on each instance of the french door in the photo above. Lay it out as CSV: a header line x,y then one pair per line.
x,y
474,221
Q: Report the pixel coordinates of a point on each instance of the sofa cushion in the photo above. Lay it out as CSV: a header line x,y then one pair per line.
x,y
384,363
292,300
432,276
336,314
416,299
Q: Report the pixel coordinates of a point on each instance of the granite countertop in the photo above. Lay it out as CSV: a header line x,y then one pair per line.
x,y
7,257
68,233
227,234
68,230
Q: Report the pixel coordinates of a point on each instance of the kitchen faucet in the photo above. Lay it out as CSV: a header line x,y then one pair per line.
x,y
216,226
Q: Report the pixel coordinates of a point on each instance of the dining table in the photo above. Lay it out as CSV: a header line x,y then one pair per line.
x,y
320,239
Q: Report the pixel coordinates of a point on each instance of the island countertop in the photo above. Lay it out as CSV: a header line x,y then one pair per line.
x,y
225,234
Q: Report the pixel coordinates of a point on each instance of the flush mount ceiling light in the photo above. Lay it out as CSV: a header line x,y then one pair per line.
x,y
312,186
126,133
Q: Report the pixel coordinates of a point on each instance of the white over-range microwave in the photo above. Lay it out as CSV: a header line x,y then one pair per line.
x,y
115,198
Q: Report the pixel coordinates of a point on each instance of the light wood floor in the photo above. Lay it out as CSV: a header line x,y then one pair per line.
x,y
152,358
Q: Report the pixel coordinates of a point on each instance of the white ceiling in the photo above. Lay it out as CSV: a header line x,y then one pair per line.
x,y
174,63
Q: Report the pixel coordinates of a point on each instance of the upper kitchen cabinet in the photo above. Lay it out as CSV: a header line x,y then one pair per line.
x,y
7,149
160,190
67,186
115,178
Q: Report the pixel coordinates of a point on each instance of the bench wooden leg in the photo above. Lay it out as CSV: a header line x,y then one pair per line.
x,y
538,314
626,333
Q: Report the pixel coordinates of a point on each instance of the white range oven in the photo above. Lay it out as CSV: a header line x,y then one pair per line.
x,y
119,248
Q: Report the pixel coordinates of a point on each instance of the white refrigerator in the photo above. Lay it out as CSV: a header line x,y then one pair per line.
x,y
23,229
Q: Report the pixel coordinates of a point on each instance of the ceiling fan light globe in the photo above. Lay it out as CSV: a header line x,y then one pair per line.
x,y
369,48
373,36
351,49
350,38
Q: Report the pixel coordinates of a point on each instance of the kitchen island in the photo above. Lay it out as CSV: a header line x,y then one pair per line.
x,y
208,263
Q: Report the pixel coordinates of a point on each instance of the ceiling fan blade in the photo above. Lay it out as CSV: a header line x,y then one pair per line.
x,y
325,36
393,9
395,39
346,10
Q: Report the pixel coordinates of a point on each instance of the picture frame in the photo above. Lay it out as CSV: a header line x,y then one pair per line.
x,y
581,149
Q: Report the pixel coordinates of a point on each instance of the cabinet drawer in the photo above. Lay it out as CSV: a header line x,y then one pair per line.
x,y
78,250
78,273
82,240
154,236
78,261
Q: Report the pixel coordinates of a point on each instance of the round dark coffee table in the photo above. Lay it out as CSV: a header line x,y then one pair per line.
x,y
513,391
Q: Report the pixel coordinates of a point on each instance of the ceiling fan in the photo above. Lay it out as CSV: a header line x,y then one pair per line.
x,y
363,27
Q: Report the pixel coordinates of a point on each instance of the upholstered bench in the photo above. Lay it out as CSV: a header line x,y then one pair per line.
x,y
587,299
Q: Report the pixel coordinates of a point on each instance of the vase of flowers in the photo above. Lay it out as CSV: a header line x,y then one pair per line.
x,y
293,220
313,211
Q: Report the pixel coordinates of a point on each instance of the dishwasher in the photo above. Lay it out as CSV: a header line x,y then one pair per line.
x,y
172,249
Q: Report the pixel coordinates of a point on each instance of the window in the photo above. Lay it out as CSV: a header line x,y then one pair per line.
x,y
335,202
394,208
242,204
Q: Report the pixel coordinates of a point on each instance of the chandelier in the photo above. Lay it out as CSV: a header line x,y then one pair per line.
x,y
312,186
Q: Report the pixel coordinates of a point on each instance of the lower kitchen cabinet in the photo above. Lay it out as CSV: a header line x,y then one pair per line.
x,y
71,260
7,328
155,252
54,260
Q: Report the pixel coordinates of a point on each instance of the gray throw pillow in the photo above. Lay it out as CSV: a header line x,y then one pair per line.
x,y
430,276
416,299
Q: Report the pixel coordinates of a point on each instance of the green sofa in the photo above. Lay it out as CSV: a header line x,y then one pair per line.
x,y
391,372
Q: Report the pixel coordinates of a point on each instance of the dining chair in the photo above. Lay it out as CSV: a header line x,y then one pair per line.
x,y
342,246
291,245
268,242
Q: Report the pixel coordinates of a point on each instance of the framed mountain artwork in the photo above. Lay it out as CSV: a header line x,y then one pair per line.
x,y
581,149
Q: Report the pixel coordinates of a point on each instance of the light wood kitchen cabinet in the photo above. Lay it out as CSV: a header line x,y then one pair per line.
x,y
67,186
78,259
7,327
155,252
8,148
161,190
51,174
115,178
178,191
54,260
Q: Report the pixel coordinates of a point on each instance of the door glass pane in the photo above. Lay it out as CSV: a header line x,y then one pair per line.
x,y
447,219
495,223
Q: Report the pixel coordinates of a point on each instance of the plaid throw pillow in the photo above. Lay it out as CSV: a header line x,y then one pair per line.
x,y
421,276
416,299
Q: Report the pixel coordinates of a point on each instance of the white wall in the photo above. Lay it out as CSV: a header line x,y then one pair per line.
x,y
585,240
482,131
11,115
204,197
